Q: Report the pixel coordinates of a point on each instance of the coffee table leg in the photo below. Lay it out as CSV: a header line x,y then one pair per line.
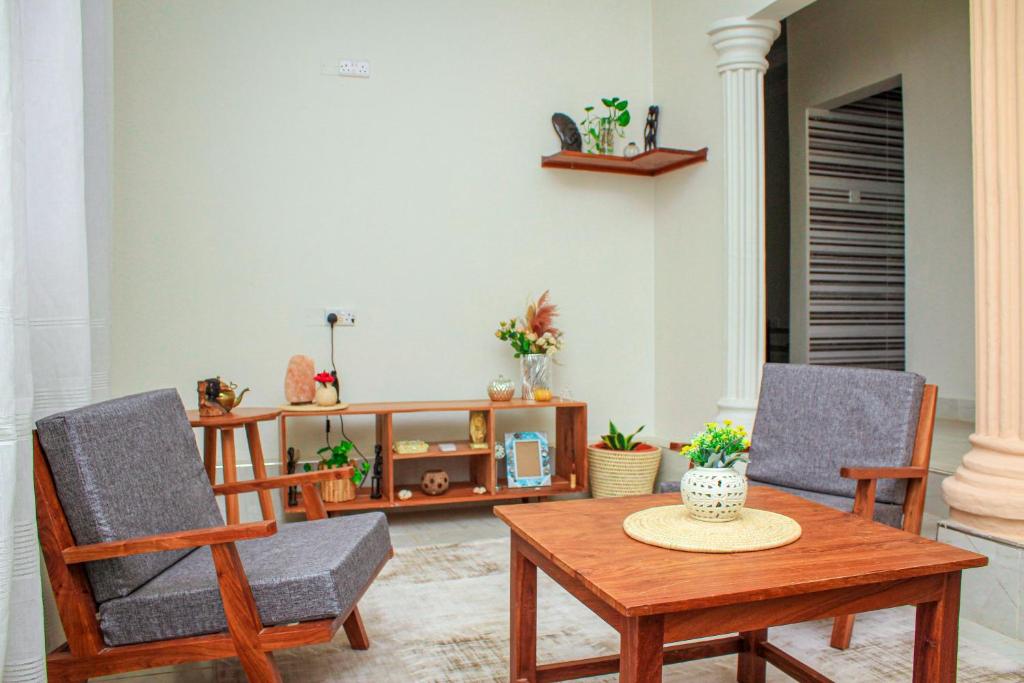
x,y
936,635
751,667
523,613
641,647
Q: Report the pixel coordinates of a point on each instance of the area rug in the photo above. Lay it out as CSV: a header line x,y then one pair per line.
x,y
440,613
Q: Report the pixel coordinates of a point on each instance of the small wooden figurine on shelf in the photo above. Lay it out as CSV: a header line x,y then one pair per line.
x,y
217,396
378,472
477,429
293,461
651,128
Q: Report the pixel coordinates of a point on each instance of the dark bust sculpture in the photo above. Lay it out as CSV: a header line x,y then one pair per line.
x,y
567,131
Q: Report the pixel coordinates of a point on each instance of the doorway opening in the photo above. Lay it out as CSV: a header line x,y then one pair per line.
x,y
856,266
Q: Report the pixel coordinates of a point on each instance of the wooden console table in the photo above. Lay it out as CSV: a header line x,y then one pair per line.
x,y
247,418
570,449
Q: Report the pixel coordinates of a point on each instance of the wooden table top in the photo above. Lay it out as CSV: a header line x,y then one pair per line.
x,y
236,418
585,539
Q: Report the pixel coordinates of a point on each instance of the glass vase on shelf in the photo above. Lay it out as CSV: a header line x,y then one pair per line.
x,y
606,145
535,373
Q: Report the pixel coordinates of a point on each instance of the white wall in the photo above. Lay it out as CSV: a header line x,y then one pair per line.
x,y
689,207
837,47
252,191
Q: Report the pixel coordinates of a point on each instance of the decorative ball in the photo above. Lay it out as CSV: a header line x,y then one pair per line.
x,y
541,394
404,494
631,150
501,389
499,452
434,482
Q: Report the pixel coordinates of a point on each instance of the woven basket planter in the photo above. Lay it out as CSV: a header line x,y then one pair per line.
x,y
622,473
337,490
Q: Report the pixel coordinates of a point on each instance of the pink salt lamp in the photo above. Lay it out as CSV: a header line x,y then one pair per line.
x,y
299,386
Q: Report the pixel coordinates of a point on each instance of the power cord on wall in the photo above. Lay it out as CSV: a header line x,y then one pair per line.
x,y
332,320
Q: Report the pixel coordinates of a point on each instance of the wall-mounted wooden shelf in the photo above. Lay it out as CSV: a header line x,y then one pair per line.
x,y
570,453
655,162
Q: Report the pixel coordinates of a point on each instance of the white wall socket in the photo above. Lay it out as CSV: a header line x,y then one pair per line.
x,y
354,68
345,318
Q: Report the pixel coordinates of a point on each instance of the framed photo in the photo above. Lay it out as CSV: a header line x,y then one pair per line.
x,y
527,459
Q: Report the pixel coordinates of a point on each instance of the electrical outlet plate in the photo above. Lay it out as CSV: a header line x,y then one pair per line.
x,y
346,318
354,68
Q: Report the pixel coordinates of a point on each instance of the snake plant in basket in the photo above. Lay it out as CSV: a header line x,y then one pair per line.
x,y
713,491
622,466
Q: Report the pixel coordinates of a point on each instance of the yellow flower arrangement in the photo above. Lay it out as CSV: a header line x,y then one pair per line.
x,y
719,445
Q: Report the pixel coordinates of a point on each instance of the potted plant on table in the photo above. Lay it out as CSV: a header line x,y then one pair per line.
x,y
622,466
339,490
712,490
535,340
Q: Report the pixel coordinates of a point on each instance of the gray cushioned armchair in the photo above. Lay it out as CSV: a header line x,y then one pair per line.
x,y
146,573
852,438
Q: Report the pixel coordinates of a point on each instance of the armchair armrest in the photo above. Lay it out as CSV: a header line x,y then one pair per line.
x,y
283,481
867,482
861,473
310,495
172,540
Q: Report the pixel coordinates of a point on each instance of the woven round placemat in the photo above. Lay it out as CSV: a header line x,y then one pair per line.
x,y
671,527
311,407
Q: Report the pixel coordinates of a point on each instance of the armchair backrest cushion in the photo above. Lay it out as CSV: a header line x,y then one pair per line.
x,y
813,420
125,468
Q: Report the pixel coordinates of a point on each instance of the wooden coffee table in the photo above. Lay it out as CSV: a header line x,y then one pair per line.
x,y
842,564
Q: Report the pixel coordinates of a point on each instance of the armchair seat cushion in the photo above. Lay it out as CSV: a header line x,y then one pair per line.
x,y
306,571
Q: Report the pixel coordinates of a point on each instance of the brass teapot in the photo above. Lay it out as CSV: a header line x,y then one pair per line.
x,y
218,396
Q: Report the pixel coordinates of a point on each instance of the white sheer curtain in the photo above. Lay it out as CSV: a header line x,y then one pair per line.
x,y
53,341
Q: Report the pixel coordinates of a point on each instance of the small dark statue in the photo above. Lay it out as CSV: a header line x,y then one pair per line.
x,y
378,471
651,129
568,133
293,491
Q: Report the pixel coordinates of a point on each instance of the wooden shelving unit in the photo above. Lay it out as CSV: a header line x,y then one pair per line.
x,y
569,447
653,163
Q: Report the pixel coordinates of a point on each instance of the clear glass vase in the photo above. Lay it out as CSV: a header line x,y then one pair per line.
x,y
535,373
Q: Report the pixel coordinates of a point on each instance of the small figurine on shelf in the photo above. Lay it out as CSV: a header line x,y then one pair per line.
x,y
293,491
477,429
378,472
651,128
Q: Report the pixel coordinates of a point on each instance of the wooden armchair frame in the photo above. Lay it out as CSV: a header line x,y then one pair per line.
x,y
85,655
867,478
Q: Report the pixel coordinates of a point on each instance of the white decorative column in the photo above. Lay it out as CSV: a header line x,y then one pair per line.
x,y
742,45
987,491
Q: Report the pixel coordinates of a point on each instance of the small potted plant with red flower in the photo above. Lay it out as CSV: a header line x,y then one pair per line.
x,y
326,390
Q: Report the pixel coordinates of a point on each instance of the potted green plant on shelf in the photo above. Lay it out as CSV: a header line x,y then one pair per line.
x,y
712,490
535,340
599,131
339,490
622,466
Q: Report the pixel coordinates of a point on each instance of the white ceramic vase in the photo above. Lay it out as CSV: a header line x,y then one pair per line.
x,y
326,395
713,494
